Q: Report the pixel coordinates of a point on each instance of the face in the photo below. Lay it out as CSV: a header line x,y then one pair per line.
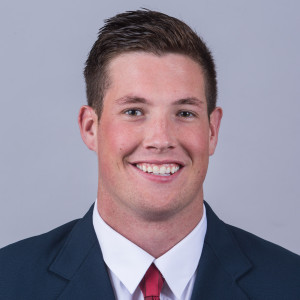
x,y
154,137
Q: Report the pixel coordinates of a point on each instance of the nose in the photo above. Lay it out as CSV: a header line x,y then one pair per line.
x,y
160,135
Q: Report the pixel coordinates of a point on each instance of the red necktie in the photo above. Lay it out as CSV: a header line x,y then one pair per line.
x,y
152,283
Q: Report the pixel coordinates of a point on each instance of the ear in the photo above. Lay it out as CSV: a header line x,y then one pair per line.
x,y
214,125
88,124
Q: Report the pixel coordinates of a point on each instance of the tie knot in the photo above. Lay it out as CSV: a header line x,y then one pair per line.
x,y
152,283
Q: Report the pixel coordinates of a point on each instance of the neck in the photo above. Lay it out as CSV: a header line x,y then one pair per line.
x,y
155,235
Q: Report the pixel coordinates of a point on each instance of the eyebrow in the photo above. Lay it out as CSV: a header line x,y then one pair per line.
x,y
135,99
189,101
131,100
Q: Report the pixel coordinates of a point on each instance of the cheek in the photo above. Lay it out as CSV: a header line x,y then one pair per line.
x,y
195,141
111,147
118,140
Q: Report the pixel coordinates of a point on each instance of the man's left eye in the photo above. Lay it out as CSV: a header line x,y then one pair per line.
x,y
185,114
133,112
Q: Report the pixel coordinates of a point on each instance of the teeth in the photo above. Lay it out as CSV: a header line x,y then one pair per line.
x,y
162,170
156,170
174,169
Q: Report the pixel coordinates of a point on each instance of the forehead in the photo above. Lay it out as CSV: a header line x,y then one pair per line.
x,y
155,75
174,60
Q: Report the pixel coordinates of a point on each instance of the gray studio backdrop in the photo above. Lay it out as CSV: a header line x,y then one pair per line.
x,y
47,175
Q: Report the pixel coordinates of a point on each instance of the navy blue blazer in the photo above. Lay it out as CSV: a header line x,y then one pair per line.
x,y
66,264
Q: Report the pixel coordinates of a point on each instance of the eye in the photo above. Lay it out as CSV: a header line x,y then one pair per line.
x,y
133,112
186,114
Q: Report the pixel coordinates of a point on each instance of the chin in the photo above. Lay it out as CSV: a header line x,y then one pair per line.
x,y
154,210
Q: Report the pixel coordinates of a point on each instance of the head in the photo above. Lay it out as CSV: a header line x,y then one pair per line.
x,y
152,118
150,32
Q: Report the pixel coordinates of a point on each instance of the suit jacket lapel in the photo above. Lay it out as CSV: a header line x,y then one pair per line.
x,y
80,261
221,264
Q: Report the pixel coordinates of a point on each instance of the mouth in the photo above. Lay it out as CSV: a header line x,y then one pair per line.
x,y
159,169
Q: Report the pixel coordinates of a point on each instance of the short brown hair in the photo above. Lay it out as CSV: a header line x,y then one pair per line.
x,y
146,31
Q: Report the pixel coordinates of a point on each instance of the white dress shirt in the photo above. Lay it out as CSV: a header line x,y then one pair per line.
x,y
127,263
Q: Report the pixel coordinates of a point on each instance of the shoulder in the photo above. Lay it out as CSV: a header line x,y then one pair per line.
x,y
26,260
272,265
26,267
36,245
257,248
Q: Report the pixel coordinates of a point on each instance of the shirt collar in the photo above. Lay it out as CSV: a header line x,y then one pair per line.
x,y
129,262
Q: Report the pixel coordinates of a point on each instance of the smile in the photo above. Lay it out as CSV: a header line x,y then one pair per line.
x,y
158,169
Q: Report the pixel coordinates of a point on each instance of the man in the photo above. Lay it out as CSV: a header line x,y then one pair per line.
x,y
152,120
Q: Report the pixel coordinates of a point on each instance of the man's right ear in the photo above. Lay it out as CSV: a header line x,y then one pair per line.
x,y
88,124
